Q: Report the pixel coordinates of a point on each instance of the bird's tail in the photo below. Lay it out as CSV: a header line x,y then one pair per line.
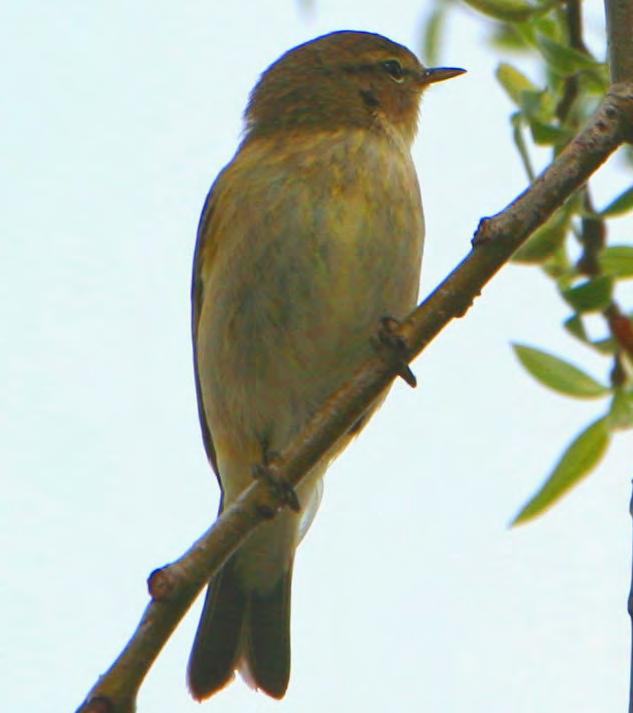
x,y
242,629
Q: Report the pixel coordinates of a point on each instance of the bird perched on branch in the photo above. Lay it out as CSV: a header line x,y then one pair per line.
x,y
308,238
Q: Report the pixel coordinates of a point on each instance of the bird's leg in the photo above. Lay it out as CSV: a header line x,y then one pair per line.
x,y
280,486
393,348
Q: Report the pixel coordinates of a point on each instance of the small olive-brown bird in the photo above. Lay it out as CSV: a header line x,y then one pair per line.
x,y
308,238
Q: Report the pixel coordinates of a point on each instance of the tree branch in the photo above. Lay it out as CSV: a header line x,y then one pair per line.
x,y
620,39
174,587
573,16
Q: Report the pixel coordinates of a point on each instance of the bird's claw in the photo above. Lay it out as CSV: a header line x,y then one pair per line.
x,y
280,486
397,349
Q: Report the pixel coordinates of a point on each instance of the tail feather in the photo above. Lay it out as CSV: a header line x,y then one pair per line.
x,y
242,630
266,653
215,653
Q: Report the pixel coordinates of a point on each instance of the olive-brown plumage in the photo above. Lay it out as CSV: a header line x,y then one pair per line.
x,y
309,236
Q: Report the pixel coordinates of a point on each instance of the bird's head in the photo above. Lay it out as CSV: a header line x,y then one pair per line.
x,y
344,79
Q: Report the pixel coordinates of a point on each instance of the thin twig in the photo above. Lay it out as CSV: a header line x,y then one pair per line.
x,y
573,17
593,234
620,39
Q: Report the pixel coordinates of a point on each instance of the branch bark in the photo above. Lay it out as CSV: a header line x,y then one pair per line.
x,y
620,37
175,587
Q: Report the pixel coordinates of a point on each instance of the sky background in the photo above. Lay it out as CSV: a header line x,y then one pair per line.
x,y
410,592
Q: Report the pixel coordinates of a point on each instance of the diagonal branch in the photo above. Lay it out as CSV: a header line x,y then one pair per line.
x,y
174,587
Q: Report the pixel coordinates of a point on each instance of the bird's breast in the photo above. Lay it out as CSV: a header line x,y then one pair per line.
x,y
314,241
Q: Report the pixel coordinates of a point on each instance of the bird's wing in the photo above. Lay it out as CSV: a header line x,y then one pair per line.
x,y
203,241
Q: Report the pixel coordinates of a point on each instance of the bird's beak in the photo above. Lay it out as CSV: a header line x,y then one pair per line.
x,y
430,75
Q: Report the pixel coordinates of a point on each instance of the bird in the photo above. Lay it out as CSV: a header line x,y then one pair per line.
x,y
308,238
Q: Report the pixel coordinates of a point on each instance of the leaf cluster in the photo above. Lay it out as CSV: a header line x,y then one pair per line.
x,y
572,247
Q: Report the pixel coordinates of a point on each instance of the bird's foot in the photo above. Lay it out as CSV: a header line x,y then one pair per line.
x,y
280,486
394,348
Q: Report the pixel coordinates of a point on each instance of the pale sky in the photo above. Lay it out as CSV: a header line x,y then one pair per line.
x,y
410,593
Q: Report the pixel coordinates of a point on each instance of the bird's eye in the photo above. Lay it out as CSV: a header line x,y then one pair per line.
x,y
394,70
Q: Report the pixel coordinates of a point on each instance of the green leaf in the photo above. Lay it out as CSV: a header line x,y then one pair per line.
x,y
564,60
517,134
504,36
622,204
595,81
508,10
590,296
621,411
548,26
580,458
607,346
549,134
575,326
537,104
557,374
545,241
514,82
559,268
617,261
